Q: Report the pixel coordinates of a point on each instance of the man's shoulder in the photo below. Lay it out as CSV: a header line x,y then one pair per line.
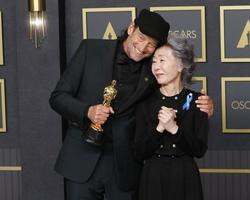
x,y
98,45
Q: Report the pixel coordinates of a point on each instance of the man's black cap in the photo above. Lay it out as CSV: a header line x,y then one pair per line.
x,y
153,25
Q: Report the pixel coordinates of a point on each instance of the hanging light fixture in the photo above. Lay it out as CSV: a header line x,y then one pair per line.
x,y
37,21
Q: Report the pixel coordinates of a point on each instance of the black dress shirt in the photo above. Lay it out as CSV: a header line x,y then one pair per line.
x,y
126,72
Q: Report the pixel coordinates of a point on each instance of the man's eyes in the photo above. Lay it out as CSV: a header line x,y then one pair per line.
x,y
152,46
141,37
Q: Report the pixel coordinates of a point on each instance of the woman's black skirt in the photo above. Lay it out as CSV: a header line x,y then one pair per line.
x,y
170,178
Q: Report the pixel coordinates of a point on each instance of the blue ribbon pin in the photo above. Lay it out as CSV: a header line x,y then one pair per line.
x,y
188,101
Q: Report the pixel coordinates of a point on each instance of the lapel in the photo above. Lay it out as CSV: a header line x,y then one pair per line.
x,y
145,81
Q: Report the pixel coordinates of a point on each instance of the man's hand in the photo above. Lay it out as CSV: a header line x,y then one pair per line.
x,y
205,103
99,114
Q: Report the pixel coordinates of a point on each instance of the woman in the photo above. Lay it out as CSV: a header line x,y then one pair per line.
x,y
171,130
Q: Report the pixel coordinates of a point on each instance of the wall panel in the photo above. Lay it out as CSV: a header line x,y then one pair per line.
x,y
33,135
33,131
225,169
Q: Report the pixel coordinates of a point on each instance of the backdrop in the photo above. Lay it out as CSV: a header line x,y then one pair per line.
x,y
31,133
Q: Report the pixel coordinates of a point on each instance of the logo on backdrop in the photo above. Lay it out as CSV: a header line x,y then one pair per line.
x,y
235,33
245,36
241,105
235,104
189,22
106,23
109,33
188,34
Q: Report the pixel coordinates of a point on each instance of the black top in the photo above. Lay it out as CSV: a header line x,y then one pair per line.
x,y
81,86
191,137
126,72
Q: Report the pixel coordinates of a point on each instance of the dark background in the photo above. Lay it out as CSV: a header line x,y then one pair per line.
x,y
34,131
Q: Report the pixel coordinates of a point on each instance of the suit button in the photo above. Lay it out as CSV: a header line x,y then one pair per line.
x,y
172,156
159,156
174,145
161,147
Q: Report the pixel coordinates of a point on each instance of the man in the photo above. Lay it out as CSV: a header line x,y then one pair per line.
x,y
110,170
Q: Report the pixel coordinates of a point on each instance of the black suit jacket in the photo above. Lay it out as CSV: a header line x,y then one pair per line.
x,y
80,86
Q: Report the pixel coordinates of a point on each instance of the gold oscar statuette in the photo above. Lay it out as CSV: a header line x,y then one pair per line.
x,y
94,134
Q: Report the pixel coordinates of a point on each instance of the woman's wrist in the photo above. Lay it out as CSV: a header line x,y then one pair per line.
x,y
160,129
173,130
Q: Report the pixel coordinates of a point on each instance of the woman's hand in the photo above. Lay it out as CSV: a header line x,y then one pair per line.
x,y
167,121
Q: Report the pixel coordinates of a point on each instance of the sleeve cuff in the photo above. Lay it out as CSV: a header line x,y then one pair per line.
x,y
85,122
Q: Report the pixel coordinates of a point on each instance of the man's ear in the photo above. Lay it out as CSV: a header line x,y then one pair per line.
x,y
131,28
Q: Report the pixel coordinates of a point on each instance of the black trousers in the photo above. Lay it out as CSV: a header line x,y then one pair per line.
x,y
101,185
